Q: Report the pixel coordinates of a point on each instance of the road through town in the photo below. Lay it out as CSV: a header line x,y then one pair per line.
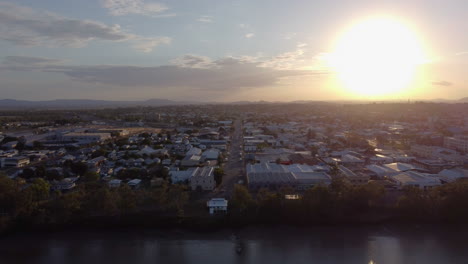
x,y
234,166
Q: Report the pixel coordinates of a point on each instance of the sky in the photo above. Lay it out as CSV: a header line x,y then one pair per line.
x,y
212,50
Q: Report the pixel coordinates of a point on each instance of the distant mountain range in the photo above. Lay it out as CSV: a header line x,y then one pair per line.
x,y
88,103
85,103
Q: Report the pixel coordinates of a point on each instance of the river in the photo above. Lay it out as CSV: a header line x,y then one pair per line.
x,y
376,245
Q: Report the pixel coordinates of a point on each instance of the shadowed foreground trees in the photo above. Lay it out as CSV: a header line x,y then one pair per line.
x,y
338,202
34,204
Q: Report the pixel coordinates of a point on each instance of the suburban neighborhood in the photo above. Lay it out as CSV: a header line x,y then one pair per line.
x,y
212,154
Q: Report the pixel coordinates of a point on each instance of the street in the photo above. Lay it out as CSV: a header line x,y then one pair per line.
x,y
234,167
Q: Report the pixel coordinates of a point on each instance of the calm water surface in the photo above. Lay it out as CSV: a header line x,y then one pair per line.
x,y
266,245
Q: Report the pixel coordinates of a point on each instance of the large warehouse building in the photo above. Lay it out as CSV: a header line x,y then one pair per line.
x,y
275,176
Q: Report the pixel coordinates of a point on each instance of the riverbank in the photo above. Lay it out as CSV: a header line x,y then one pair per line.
x,y
143,220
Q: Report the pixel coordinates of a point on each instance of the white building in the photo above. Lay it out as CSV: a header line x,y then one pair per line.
x,y
86,138
217,205
353,178
64,185
114,183
458,143
14,162
389,169
274,176
190,161
434,152
416,179
182,176
134,184
210,154
451,175
203,178
193,151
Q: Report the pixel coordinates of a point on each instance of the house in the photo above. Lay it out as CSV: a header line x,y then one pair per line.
x,y
182,176
194,151
203,179
390,169
351,160
64,185
210,154
451,175
433,165
96,162
352,177
10,145
216,205
14,162
134,184
457,143
380,159
416,179
150,151
114,183
190,161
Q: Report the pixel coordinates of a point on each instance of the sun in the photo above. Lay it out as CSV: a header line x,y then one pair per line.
x,y
377,58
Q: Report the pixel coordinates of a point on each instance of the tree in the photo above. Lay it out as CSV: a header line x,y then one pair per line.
x,y
40,189
28,173
412,203
178,198
218,175
37,145
268,202
90,177
241,198
79,168
127,199
20,146
8,195
63,208
40,171
159,195
313,151
101,200
318,200
53,175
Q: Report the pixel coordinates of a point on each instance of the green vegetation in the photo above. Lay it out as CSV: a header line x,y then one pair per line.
x,y
34,204
218,175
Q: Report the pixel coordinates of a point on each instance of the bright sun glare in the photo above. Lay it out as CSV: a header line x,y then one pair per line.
x,y
377,58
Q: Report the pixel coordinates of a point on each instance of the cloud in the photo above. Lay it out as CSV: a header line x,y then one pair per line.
x,y
29,61
190,71
25,63
193,61
148,44
138,7
289,35
29,27
462,53
442,83
205,19
249,35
